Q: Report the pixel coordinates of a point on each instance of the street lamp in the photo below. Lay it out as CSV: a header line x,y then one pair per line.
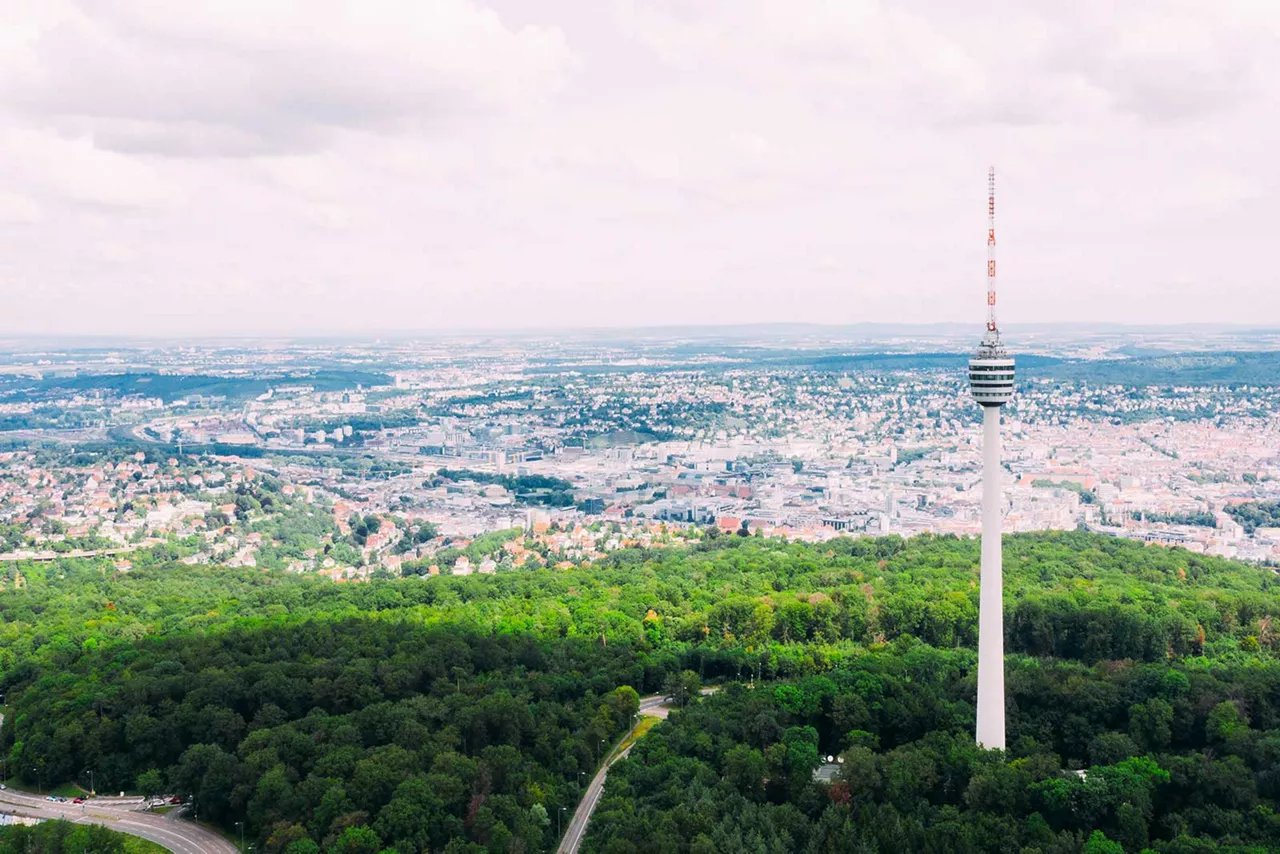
x,y
240,824
559,823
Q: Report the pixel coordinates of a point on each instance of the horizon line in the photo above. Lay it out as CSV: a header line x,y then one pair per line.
x,y
703,328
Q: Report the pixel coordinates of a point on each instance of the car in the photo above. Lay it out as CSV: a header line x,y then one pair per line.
x,y
50,798
175,800
3,787
77,800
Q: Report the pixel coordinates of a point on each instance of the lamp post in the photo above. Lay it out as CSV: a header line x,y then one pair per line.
x,y
559,823
240,824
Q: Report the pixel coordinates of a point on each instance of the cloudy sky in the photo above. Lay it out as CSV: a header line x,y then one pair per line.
x,y
294,166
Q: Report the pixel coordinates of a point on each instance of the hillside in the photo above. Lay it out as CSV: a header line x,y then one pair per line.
x,y
437,714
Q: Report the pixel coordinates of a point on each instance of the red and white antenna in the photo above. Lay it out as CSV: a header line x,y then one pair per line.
x,y
991,250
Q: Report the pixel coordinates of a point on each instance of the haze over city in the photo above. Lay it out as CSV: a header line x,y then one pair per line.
x,y
292,168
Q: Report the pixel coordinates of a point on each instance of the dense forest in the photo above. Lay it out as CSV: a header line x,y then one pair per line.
x,y
462,714
1179,757
426,735
173,386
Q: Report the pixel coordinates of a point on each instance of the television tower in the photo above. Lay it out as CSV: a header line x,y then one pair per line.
x,y
991,382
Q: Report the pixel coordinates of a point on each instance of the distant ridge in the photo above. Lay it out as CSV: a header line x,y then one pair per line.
x,y
873,330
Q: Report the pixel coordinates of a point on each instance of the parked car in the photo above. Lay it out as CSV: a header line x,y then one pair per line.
x,y
77,800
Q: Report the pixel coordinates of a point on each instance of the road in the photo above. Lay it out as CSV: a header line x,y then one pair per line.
x,y
184,837
52,555
655,706
123,815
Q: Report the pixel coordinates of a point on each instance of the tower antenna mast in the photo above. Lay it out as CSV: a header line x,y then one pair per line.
x,y
991,252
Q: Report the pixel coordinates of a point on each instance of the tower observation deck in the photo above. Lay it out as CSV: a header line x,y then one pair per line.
x,y
991,372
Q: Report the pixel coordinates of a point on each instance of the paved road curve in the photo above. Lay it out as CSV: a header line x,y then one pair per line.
x,y
655,706
577,828
180,837
184,837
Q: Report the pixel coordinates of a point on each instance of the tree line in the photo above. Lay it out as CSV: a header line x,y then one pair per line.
x,y
462,714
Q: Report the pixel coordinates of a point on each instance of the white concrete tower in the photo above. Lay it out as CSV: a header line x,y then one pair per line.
x,y
991,381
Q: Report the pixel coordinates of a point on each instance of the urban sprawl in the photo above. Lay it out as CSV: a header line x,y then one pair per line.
x,y
358,461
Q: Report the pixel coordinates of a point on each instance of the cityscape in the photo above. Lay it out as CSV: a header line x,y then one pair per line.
x,y
583,446
493,427
132,466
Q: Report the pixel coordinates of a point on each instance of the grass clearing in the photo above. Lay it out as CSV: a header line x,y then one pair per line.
x,y
647,722
138,845
66,790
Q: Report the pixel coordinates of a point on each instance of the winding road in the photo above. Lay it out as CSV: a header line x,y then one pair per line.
x,y
183,837
655,706
123,815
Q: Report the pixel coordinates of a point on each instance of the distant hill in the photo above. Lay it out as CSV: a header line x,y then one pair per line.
x,y
170,387
1191,368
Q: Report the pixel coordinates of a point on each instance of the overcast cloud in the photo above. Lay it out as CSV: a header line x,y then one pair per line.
x,y
298,166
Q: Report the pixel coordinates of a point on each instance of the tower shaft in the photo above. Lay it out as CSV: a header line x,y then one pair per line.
x,y
991,374
990,732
